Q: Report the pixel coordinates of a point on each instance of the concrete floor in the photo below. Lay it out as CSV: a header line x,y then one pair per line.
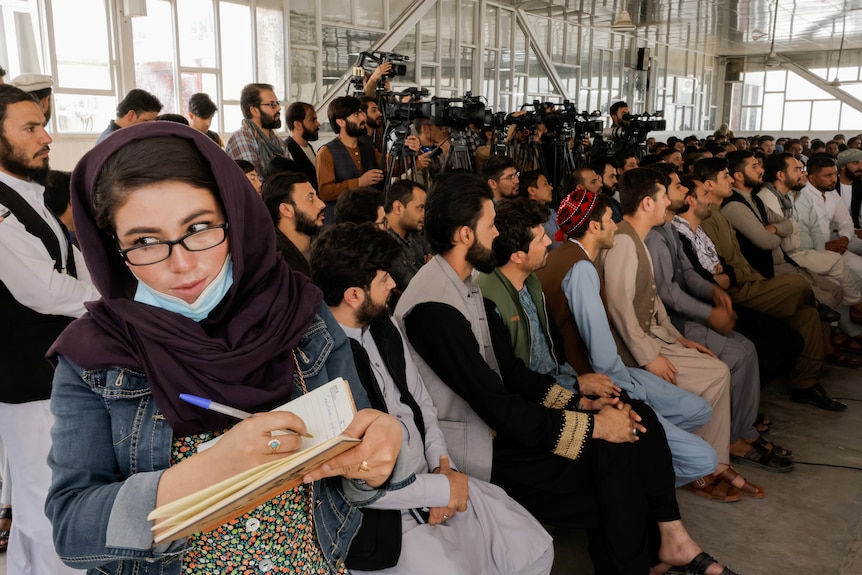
x,y
810,521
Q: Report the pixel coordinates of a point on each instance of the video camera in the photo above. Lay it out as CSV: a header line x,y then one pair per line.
x,y
370,61
459,113
634,134
647,122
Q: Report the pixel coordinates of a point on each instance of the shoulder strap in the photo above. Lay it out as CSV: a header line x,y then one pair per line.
x,y
37,226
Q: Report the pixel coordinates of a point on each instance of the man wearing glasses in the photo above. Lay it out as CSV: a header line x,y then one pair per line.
x,y
256,140
501,173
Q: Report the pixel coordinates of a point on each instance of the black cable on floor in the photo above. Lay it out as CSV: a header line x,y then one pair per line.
x,y
832,465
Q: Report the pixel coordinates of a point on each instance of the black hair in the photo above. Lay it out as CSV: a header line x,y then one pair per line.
x,y
515,221
340,108
177,118
637,184
736,160
10,94
358,205
250,98
496,165
709,168
245,166
819,161
456,199
57,191
277,189
350,255
295,113
616,106
145,162
529,180
774,164
401,191
202,106
280,164
140,101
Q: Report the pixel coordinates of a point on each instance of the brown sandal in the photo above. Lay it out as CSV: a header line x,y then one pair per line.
x,y
748,488
715,488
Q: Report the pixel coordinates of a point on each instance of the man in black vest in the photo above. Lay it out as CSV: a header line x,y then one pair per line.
x,y
42,288
345,162
304,128
487,533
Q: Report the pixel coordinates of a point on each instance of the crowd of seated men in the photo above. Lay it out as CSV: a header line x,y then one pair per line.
x,y
550,342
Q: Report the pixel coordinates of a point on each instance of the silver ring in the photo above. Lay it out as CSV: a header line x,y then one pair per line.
x,y
445,517
274,444
635,431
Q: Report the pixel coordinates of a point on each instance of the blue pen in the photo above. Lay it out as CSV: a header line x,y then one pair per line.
x,y
227,410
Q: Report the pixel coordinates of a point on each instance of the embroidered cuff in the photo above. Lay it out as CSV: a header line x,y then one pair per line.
x,y
557,397
577,428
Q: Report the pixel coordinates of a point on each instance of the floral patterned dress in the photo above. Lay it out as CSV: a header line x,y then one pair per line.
x,y
276,537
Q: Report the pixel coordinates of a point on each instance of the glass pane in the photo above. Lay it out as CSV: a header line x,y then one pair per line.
x,y
154,53
368,13
775,80
303,77
340,49
468,16
851,118
194,82
489,83
28,47
505,28
428,29
558,29
83,60
520,52
407,47
235,55
490,30
335,11
448,27
232,115
429,77
197,33
797,116
87,114
773,106
749,119
572,43
753,88
397,7
270,46
824,115
466,68
539,26
303,28
800,88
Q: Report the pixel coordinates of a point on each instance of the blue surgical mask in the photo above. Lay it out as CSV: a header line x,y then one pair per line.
x,y
206,302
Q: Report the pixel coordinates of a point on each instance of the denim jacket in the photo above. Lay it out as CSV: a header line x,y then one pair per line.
x,y
111,444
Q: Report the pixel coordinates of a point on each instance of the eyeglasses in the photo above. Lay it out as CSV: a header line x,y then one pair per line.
x,y
512,176
274,105
196,241
382,224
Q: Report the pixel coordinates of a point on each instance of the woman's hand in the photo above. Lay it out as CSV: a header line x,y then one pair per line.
x,y
373,459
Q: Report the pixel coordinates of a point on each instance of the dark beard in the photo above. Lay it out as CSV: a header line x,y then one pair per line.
x,y
310,136
305,225
751,183
374,124
481,258
355,130
11,162
368,311
269,122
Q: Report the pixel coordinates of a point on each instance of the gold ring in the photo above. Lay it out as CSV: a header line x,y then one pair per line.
x,y
273,444
364,467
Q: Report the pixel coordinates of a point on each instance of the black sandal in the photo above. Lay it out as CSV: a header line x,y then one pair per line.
x,y
699,565
773,448
5,513
761,456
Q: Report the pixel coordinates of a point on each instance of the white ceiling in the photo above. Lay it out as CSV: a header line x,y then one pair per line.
x,y
725,27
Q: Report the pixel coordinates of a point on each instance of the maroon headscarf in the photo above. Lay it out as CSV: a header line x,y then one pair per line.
x,y
241,355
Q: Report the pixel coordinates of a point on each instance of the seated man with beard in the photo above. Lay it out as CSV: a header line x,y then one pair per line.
x,y
297,213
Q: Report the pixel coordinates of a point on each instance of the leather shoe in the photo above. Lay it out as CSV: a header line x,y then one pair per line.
x,y
827,314
817,396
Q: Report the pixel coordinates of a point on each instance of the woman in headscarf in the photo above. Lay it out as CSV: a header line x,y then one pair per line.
x,y
195,300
